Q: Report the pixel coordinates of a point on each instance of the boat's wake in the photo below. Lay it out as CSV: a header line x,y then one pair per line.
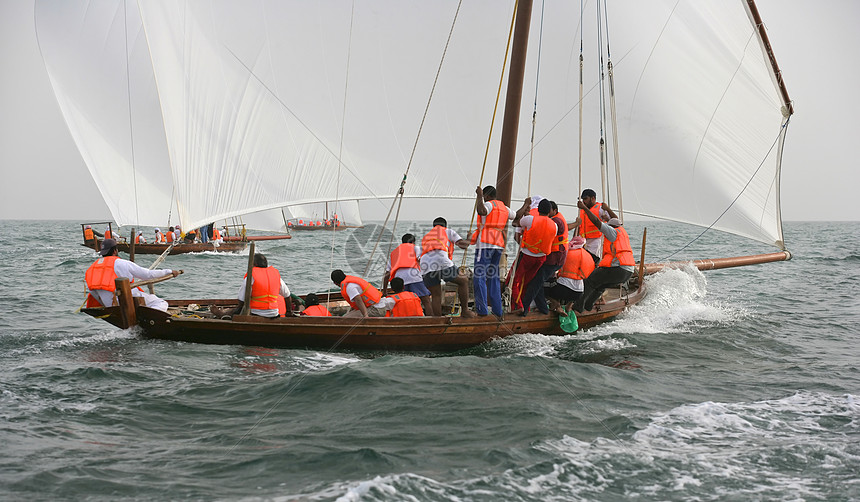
x,y
676,302
681,451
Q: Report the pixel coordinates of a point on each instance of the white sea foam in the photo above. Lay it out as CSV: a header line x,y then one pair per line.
x,y
675,302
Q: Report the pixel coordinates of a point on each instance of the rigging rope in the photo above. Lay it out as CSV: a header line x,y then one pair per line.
x,y
401,190
493,119
340,147
614,118
581,86
130,122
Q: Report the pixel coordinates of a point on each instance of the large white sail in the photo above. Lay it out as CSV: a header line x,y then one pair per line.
x,y
267,104
99,66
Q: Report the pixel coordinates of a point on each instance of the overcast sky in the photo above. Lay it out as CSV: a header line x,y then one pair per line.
x,y
817,45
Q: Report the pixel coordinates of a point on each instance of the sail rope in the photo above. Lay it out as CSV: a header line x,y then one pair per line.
x,y
513,271
581,88
613,118
130,121
534,111
493,121
778,141
340,146
398,198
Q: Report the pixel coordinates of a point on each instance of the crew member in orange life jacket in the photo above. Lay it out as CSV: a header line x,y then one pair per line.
x,y
539,240
584,226
554,260
406,304
616,265
365,300
404,261
577,266
159,237
101,275
489,240
266,286
140,239
90,235
437,251
313,307
171,235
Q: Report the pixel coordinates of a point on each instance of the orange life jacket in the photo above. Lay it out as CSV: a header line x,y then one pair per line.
x,y
541,236
317,310
159,237
170,236
137,239
403,256
406,304
491,229
265,288
578,265
587,229
437,239
562,238
216,234
100,275
369,295
108,234
619,249
88,234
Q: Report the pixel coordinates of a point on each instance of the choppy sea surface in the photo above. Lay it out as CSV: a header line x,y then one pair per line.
x,y
739,384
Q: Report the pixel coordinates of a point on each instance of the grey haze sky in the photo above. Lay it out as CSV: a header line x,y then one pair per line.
x,y
817,45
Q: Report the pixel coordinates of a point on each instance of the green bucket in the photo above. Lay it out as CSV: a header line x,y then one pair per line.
x,y
569,324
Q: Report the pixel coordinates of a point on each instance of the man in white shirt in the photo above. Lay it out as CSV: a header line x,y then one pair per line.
x,y
489,240
101,273
437,251
408,269
585,228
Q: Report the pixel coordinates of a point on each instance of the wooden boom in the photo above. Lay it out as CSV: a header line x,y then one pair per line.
x,y
717,263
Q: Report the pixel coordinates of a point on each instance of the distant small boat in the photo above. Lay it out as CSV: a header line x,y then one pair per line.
x,y
230,244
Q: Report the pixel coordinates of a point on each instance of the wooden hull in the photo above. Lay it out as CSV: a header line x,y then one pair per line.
x,y
224,247
333,333
259,238
306,227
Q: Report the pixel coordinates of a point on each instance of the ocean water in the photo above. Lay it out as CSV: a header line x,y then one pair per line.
x,y
739,384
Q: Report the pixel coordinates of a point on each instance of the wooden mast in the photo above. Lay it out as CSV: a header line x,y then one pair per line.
x,y
513,99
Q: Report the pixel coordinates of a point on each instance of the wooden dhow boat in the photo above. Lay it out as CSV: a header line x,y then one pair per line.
x,y
704,113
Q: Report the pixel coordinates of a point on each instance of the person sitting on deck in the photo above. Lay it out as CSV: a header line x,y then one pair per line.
x,y
108,234
140,239
489,240
268,291
577,266
101,275
539,237
406,303
437,250
171,235
614,268
159,237
404,261
365,300
313,307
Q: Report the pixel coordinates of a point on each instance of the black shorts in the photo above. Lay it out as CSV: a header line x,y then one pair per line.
x,y
562,293
436,277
